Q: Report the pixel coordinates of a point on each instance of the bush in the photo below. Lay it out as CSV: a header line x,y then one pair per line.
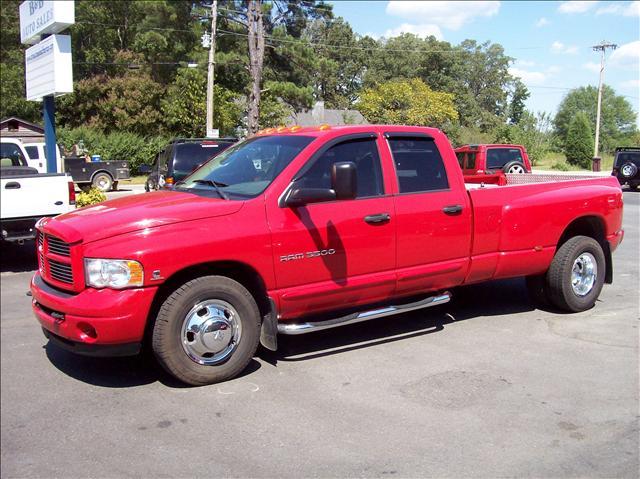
x,y
91,197
579,144
117,146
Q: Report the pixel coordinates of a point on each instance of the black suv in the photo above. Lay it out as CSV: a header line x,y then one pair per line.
x,y
178,159
626,166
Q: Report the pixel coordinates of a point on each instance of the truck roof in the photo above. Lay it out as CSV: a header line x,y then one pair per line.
x,y
487,145
328,130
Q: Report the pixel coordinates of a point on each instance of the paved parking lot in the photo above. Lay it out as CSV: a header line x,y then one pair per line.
x,y
485,386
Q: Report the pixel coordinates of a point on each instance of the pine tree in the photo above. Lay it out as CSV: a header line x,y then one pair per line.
x,y
579,144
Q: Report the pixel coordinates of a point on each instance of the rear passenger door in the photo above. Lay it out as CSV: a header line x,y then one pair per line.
x,y
433,218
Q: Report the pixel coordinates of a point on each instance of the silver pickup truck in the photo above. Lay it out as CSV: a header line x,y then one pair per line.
x,y
26,196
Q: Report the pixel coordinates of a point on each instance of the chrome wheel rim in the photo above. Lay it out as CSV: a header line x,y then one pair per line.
x,y
211,331
583,274
103,183
516,169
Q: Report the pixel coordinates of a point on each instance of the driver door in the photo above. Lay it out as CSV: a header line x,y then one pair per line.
x,y
335,254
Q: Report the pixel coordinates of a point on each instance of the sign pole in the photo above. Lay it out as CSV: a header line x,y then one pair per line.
x,y
50,141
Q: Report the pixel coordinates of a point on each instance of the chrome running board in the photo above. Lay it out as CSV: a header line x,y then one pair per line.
x,y
311,326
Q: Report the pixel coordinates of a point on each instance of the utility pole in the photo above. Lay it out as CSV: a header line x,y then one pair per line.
x,y
211,133
602,47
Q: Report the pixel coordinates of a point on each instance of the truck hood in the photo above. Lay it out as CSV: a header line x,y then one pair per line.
x,y
135,212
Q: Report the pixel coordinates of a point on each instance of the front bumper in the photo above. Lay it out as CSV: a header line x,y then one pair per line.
x,y
95,320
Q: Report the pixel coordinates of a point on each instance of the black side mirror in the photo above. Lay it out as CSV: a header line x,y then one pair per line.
x,y
303,196
344,180
144,169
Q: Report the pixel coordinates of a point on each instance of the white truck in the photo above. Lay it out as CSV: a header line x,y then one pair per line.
x,y
26,196
37,159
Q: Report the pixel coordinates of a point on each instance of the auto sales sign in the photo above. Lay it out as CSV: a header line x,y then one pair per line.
x,y
41,17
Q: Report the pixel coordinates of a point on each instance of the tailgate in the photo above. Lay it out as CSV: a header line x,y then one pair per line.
x,y
34,196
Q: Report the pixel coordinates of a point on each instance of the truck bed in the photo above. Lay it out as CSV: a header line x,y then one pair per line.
x,y
519,219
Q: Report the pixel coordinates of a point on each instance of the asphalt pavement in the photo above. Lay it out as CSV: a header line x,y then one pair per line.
x,y
485,386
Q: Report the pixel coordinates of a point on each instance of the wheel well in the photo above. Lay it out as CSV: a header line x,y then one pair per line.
x,y
593,227
240,272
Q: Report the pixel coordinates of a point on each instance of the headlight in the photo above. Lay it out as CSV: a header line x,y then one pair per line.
x,y
113,273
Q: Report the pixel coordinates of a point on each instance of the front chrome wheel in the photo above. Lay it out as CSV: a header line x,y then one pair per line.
x,y
211,331
583,274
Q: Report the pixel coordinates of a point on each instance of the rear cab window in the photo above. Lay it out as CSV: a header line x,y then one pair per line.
x,y
32,151
498,157
418,163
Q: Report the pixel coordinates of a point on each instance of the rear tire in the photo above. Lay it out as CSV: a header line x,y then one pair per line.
x,y
576,275
103,182
207,330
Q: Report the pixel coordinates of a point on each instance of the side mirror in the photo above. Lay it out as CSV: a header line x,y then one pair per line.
x,y
344,180
303,196
144,169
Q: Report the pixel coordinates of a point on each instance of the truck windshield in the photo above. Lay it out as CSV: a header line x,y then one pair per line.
x,y
246,168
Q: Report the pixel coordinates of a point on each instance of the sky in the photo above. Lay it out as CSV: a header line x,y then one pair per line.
x,y
550,42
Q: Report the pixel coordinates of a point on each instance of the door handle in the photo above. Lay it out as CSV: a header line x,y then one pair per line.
x,y
12,185
452,210
377,219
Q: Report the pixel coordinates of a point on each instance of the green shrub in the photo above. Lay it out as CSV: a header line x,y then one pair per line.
x,y
579,143
116,146
91,197
561,166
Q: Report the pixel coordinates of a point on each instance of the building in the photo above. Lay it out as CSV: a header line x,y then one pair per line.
x,y
320,115
22,130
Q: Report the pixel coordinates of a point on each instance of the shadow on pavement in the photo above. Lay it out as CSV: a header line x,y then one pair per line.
x,y
118,372
15,258
486,299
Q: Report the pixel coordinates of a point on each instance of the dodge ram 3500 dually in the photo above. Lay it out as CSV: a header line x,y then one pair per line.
x,y
302,229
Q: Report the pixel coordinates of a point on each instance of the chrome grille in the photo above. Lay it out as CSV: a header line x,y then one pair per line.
x,y
60,271
57,246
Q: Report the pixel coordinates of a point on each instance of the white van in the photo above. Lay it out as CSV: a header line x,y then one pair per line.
x,y
36,157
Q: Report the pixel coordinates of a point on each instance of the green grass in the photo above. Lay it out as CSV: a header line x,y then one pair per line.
x,y
136,180
557,161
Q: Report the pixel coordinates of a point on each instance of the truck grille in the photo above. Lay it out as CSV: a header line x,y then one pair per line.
x,y
57,246
60,271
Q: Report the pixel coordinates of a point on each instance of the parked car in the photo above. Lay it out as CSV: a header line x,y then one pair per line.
x,y
626,166
103,175
307,229
36,157
180,158
26,196
488,159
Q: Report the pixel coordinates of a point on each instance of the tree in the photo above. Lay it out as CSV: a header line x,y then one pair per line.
x,y
617,116
184,106
407,102
579,143
532,131
518,97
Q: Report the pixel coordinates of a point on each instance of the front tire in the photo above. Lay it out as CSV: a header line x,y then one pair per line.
x,y
207,330
576,275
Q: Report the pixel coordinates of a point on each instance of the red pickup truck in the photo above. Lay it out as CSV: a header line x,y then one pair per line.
x,y
302,229
490,159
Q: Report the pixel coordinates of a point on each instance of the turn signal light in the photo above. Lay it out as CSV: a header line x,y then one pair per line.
x,y
324,127
72,193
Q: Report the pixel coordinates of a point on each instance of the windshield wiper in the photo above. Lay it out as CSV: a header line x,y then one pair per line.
x,y
216,185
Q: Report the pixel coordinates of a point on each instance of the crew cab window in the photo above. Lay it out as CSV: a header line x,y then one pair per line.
x,y
10,155
362,152
32,151
498,157
460,155
419,166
